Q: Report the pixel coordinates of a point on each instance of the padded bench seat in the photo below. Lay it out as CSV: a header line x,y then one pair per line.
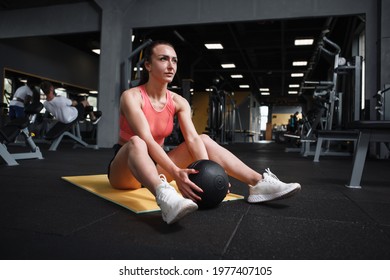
x,y
333,135
71,130
8,134
58,129
11,130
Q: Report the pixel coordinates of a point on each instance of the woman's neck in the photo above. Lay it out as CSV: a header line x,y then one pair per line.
x,y
156,91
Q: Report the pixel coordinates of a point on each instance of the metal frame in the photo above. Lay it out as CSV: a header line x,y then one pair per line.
x,y
10,159
75,134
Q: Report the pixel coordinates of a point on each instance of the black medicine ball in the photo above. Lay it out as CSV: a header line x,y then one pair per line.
x,y
212,179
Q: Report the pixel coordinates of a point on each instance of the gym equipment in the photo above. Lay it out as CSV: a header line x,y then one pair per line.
x,y
216,122
325,92
232,111
383,103
139,201
128,82
334,135
212,179
369,131
383,113
71,130
325,121
322,101
13,129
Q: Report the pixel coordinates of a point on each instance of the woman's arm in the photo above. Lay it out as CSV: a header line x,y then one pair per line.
x,y
194,142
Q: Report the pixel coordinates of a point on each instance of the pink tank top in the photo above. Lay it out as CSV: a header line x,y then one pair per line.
x,y
160,122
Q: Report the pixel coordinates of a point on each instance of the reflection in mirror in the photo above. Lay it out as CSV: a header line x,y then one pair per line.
x,y
13,79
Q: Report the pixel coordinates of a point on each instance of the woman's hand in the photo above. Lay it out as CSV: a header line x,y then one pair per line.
x,y
187,188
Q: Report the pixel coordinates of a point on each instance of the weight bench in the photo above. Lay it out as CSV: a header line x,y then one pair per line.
x,y
71,130
333,135
13,129
369,131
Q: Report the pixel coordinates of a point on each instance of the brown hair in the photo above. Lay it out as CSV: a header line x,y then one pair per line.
x,y
46,86
148,52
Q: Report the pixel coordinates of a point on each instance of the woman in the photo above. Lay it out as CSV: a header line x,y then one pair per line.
x,y
146,118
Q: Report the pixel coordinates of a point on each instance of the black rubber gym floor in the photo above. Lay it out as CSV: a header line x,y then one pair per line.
x,y
45,217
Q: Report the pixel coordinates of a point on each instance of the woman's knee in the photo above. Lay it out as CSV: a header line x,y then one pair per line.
x,y
136,142
207,141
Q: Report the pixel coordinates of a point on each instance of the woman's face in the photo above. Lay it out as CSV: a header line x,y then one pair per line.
x,y
163,64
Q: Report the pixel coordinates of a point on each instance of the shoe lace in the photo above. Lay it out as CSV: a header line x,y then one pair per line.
x,y
163,178
271,175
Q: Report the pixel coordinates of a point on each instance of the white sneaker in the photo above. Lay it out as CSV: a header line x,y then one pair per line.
x,y
173,206
271,188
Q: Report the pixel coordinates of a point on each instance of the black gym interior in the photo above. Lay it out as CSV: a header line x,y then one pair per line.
x,y
324,123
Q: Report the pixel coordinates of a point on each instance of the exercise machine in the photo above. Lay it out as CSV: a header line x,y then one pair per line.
x,y
383,113
13,129
70,130
328,122
216,118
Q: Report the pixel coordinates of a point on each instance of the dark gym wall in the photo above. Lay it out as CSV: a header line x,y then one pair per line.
x,y
51,20
50,59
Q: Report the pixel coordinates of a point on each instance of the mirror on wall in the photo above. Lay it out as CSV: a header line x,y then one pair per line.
x,y
13,79
42,122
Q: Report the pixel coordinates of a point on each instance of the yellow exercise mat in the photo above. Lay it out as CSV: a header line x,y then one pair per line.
x,y
138,201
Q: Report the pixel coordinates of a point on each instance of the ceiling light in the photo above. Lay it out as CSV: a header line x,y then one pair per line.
x,y
294,75
237,76
214,46
265,93
299,63
304,42
244,86
264,89
228,65
93,91
293,86
96,51
292,92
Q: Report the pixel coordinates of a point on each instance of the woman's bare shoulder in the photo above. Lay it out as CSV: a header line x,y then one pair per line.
x,y
132,93
178,99
131,98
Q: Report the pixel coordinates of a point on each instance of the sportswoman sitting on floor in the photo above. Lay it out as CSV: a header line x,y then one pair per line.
x,y
146,118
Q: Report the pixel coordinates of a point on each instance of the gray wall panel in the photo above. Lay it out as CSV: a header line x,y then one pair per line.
x,y
60,19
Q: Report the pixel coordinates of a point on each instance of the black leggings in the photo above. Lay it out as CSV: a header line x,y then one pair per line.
x,y
116,148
